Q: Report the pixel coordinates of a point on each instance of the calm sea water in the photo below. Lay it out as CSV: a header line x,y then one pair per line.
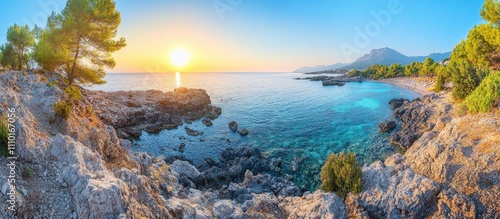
x,y
300,121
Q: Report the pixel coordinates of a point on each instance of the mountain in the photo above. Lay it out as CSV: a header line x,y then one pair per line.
x,y
388,56
306,69
384,56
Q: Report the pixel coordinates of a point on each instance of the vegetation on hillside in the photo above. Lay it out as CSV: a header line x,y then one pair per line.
x,y
341,174
473,59
76,43
427,68
485,96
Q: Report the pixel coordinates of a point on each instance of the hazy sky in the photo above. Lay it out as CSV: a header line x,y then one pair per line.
x,y
268,35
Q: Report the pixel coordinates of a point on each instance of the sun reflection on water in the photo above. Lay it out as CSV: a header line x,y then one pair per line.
x,y
177,79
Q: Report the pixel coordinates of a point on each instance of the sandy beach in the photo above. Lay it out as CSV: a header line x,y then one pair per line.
x,y
421,85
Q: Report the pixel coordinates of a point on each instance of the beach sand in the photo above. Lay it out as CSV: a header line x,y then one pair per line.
x,y
421,85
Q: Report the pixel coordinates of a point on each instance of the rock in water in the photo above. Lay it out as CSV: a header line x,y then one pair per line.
x,y
396,103
333,83
243,132
181,147
233,126
192,132
207,122
387,126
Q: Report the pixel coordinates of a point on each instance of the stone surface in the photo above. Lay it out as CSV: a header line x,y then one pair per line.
x,y
233,126
243,132
387,126
130,112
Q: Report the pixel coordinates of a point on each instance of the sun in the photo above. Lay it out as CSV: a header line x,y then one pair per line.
x,y
179,57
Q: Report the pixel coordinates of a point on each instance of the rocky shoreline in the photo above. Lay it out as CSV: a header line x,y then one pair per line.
x,y
83,167
334,80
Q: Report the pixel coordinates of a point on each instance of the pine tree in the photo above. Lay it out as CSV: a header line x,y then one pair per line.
x,y
82,37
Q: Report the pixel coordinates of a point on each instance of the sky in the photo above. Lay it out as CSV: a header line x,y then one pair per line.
x,y
265,35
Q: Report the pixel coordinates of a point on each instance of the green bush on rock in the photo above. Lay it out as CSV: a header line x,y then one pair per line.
x,y
4,135
485,95
63,109
341,174
73,92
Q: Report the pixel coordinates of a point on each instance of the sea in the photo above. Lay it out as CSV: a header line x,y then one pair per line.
x,y
299,121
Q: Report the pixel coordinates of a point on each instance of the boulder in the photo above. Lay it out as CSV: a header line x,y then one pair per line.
x,y
184,168
396,103
243,132
393,190
317,205
233,126
192,132
207,122
387,126
332,83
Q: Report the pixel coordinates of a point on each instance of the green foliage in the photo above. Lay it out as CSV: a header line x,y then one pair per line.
x,y
8,59
491,11
27,172
465,77
485,95
63,109
21,39
377,71
73,92
427,67
80,40
341,174
49,51
4,135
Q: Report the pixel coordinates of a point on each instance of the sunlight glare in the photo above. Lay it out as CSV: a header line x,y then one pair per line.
x,y
179,57
177,79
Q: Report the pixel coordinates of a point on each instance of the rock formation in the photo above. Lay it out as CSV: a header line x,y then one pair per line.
x,y
83,167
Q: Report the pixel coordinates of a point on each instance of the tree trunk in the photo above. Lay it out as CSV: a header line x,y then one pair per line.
x,y
71,75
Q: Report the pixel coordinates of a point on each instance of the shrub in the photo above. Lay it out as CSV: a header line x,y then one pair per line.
x,y
63,109
484,97
466,77
73,92
341,174
4,135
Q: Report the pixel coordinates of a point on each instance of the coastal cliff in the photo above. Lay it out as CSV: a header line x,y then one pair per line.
x,y
83,167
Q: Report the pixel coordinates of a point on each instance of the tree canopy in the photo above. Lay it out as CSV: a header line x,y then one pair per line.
x,y
20,39
80,40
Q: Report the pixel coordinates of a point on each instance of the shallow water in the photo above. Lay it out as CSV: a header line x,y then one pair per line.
x,y
299,121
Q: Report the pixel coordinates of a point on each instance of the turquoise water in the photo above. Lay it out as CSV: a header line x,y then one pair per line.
x,y
299,121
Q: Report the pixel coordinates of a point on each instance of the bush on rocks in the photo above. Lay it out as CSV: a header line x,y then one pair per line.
x,y
4,135
341,174
63,109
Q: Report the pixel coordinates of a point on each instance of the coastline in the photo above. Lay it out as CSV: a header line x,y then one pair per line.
x,y
419,85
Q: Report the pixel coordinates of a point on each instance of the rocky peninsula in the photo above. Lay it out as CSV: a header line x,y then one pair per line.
x,y
83,167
